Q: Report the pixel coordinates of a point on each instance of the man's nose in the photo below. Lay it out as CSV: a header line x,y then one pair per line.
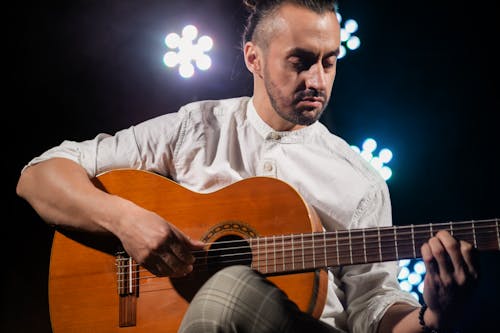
x,y
316,77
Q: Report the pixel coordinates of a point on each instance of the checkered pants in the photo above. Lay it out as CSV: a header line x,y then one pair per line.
x,y
237,299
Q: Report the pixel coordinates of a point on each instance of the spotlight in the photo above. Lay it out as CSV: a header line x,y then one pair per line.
x,y
378,162
411,277
347,38
186,52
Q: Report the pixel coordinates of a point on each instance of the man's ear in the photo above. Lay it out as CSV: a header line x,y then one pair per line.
x,y
253,58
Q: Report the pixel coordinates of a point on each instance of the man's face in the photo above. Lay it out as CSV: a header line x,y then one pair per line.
x,y
299,63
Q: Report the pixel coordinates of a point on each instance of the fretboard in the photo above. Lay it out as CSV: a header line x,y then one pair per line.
x,y
281,254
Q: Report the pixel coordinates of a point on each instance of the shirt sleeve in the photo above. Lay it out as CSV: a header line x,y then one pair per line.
x,y
148,145
371,288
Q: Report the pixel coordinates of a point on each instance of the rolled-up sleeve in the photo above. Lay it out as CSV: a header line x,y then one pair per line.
x,y
371,288
147,146
99,154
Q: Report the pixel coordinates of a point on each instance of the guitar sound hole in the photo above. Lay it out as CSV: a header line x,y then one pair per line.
x,y
227,251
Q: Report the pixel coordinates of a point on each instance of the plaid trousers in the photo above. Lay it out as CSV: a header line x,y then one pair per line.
x,y
239,300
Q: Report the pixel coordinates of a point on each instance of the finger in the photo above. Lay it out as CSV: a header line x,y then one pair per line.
x,y
470,258
180,245
176,267
157,266
429,261
195,244
453,252
445,267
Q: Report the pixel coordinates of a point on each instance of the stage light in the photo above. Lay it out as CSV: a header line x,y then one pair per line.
x,y
379,162
411,277
186,52
347,38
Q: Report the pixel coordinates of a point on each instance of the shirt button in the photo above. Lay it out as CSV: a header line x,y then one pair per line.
x,y
268,167
275,136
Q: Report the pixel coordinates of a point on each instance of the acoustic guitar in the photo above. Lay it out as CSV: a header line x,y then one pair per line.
x,y
261,222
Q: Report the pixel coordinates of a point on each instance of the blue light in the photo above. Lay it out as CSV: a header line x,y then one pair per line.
x,y
414,278
419,267
347,38
403,273
379,162
406,286
416,295
411,277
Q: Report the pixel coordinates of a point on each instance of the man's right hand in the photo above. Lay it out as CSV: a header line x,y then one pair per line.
x,y
157,245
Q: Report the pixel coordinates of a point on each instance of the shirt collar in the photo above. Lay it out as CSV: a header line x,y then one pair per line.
x,y
267,132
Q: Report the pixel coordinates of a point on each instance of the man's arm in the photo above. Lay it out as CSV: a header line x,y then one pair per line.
x,y
450,277
62,194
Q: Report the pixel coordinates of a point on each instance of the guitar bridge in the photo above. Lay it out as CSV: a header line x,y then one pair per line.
x,y
128,289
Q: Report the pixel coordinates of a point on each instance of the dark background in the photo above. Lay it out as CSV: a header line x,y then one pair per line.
x,y
424,83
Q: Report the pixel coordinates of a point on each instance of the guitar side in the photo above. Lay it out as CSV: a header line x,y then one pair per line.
x,y
83,293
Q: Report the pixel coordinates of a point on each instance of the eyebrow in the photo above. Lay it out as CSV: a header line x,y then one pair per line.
x,y
306,53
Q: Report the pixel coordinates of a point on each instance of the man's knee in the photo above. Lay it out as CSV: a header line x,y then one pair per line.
x,y
234,299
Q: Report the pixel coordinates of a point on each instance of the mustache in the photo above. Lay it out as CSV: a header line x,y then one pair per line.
x,y
309,93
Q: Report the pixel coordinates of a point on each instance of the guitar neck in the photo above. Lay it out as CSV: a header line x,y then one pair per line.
x,y
282,254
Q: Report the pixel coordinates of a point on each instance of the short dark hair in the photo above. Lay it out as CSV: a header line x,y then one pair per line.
x,y
261,9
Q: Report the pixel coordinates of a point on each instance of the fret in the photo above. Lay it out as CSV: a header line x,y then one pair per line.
x,y
364,246
474,234
313,252
498,238
451,228
258,254
274,252
293,254
303,261
421,237
324,248
357,246
344,251
379,244
253,263
430,228
337,246
387,244
350,246
259,251
283,251
403,239
371,245
396,243
266,261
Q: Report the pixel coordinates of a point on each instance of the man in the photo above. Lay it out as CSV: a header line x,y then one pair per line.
x,y
291,49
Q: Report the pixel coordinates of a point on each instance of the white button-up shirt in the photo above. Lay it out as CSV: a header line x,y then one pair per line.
x,y
207,145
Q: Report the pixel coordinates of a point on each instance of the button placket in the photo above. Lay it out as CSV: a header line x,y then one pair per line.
x,y
269,168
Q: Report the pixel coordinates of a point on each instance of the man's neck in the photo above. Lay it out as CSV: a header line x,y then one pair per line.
x,y
267,113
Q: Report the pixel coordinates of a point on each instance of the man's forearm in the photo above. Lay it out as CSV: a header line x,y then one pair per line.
x,y
63,195
400,318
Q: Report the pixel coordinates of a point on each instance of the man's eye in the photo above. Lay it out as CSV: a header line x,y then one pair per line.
x,y
298,64
330,62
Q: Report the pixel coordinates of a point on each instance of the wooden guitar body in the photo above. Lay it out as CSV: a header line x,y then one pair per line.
x,y
260,222
92,290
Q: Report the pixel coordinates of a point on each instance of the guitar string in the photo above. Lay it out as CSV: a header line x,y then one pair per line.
x,y
288,238
262,249
286,248
280,259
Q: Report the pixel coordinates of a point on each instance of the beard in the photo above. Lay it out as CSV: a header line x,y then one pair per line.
x,y
287,107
